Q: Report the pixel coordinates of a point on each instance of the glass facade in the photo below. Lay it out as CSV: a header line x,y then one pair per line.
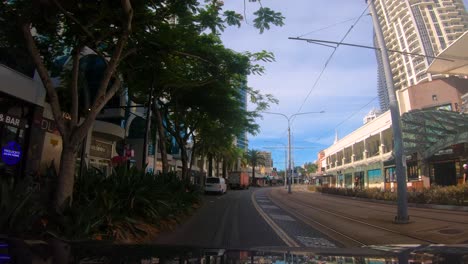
x,y
15,117
374,176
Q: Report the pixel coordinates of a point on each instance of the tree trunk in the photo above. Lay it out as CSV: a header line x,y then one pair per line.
x,y
162,140
66,178
225,169
192,157
217,167
253,176
184,161
210,165
147,129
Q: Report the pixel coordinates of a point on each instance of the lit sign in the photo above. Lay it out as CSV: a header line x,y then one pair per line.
x,y
11,120
11,153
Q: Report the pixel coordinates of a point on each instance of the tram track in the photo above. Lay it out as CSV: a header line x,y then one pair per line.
x,y
357,241
413,209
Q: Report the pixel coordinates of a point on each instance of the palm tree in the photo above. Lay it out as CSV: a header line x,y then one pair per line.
x,y
254,158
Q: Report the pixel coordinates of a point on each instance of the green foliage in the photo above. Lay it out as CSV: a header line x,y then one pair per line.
x,y
232,18
24,204
265,17
123,206
310,167
449,195
254,158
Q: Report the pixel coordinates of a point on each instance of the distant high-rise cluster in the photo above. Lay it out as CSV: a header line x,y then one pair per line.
x,y
424,27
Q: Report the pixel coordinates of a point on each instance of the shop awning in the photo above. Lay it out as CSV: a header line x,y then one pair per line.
x,y
453,60
428,131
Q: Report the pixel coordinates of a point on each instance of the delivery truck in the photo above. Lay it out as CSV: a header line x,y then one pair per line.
x,y
238,180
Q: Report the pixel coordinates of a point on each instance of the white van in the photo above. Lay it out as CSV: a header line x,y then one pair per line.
x,y
215,184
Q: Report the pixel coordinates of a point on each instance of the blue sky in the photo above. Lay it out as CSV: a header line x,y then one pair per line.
x,y
348,84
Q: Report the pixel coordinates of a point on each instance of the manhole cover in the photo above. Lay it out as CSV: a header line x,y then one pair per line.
x,y
450,231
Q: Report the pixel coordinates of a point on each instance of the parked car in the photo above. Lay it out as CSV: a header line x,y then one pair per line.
x,y
215,185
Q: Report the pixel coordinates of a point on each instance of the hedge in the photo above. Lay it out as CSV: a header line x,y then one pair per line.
x,y
449,195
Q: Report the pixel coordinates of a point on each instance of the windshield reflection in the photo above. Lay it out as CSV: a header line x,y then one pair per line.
x,y
17,251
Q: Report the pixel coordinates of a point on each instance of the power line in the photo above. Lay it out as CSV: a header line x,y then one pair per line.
x,y
330,58
327,27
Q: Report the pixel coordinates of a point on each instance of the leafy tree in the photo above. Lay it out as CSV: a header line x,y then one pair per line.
x,y
113,30
200,86
254,159
51,29
310,167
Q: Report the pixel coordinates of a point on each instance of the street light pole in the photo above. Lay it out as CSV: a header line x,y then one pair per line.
x,y
402,211
289,156
288,118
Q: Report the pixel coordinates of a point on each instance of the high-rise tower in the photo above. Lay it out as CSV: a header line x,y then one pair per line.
x,y
417,26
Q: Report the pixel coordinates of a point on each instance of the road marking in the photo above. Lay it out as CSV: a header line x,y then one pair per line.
x,y
282,217
269,206
280,232
263,201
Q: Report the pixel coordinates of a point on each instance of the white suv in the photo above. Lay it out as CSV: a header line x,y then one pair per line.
x,y
215,184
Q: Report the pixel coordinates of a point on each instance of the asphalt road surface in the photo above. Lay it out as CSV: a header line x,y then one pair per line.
x,y
269,217
224,221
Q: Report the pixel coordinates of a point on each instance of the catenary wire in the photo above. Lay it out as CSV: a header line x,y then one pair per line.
x,y
349,117
330,58
327,27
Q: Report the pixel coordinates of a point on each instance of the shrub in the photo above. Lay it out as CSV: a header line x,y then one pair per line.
x,y
127,205
449,195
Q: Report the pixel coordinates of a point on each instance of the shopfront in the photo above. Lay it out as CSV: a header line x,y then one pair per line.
x,y
16,119
100,153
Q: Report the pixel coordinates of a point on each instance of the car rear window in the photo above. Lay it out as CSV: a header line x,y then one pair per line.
x,y
212,180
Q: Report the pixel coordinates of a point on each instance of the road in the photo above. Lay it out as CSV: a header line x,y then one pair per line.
x,y
269,217
227,221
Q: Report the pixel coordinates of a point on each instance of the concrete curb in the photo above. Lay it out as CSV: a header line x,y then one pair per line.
x,y
426,206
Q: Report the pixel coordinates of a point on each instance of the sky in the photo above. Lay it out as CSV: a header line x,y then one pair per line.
x,y
347,90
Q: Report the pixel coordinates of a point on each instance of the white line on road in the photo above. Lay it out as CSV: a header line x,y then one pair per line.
x,y
280,232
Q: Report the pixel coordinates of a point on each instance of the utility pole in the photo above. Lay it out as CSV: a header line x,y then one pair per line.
x,y
402,211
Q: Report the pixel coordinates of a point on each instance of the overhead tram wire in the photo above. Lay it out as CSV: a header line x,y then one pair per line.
x,y
348,118
327,27
330,58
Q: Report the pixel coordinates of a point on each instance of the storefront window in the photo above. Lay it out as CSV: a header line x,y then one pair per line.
x,y
390,175
412,171
348,180
375,176
15,116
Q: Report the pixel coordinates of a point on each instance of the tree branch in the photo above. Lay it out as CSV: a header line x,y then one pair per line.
x,y
74,85
194,56
116,56
44,75
128,53
82,130
72,18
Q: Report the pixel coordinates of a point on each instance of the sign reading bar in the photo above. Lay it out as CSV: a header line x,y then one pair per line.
x,y
12,121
